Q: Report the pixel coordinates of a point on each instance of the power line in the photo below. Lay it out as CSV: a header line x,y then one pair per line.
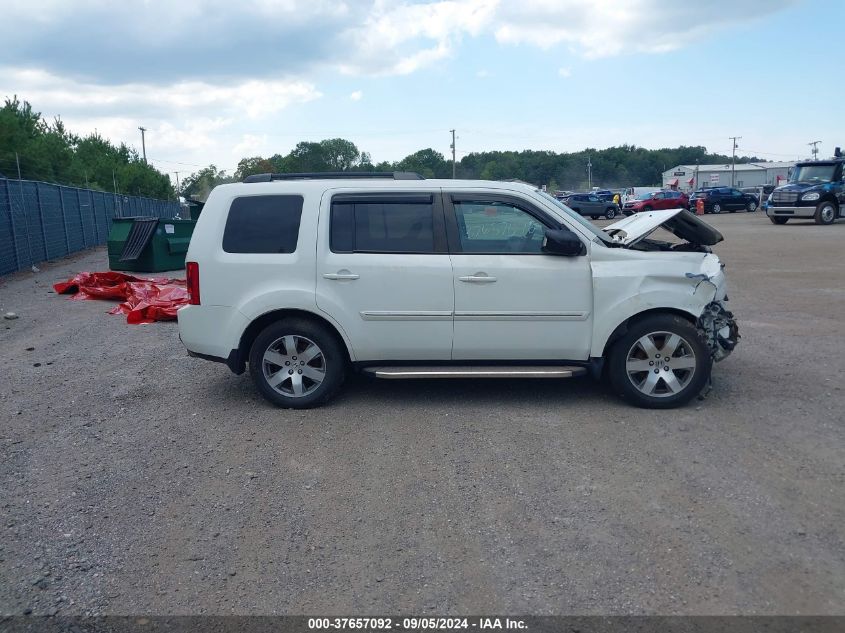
x,y
815,149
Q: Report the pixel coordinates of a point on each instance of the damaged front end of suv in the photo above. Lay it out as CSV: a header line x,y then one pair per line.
x,y
647,276
719,328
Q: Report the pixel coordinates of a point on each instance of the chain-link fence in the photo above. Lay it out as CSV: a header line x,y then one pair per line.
x,y
41,221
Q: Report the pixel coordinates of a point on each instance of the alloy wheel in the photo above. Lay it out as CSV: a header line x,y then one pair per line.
x,y
294,366
660,364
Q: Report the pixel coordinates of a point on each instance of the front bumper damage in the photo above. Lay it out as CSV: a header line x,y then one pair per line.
x,y
720,330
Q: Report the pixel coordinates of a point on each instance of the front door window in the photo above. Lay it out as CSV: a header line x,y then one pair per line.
x,y
497,227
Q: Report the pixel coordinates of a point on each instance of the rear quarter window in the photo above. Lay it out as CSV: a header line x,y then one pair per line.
x,y
263,224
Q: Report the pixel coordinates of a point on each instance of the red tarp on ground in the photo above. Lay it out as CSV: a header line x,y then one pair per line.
x,y
144,300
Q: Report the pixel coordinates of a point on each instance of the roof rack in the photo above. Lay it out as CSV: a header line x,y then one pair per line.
x,y
336,175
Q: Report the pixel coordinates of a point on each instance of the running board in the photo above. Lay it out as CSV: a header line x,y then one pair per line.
x,y
476,371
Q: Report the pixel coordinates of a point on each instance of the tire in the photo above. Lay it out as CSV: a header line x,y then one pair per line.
x,y
610,214
751,207
631,369
646,209
825,213
322,371
778,220
717,208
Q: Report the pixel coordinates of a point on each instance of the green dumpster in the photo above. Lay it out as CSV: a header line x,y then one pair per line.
x,y
149,244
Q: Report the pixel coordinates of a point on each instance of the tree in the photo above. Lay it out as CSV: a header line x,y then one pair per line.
x,y
339,154
50,152
254,165
198,185
427,162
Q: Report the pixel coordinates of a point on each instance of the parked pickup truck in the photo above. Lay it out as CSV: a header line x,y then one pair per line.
x,y
816,190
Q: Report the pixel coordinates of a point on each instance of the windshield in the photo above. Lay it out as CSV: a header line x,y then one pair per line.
x,y
577,217
644,196
812,173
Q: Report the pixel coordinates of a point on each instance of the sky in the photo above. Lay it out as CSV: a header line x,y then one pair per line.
x,y
214,81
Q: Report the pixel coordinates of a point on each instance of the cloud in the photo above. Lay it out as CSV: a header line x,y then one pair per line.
x,y
398,39
604,28
483,74
356,96
250,145
213,41
159,41
564,72
252,98
181,117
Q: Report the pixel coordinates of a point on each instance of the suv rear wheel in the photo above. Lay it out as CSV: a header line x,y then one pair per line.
x,y
661,362
297,364
610,213
751,206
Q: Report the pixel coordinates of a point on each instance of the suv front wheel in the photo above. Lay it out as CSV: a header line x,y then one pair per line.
x,y
296,363
661,362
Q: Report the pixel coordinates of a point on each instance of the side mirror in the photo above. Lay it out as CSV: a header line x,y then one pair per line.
x,y
563,242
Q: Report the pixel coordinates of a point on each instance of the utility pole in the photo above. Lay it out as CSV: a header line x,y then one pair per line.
x,y
453,153
815,149
177,185
733,159
589,173
143,143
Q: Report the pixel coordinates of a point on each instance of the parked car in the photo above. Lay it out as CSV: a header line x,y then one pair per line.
x,y
632,193
304,277
591,205
721,199
667,199
604,194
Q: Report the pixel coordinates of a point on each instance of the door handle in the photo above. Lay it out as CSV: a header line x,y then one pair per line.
x,y
340,276
478,279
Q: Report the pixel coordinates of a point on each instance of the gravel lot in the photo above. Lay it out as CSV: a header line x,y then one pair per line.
x,y
138,480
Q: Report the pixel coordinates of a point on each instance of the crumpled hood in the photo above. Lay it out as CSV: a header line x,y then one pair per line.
x,y
680,222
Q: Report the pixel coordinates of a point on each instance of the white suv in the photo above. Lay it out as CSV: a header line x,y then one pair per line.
x,y
304,276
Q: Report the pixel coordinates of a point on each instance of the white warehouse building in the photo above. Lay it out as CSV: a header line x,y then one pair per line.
x,y
689,177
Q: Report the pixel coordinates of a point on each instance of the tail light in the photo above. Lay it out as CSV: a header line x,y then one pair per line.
x,y
192,277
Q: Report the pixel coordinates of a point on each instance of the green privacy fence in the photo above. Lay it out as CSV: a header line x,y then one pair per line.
x,y
41,221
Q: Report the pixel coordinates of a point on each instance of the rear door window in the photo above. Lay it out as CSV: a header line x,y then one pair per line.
x,y
263,224
394,224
